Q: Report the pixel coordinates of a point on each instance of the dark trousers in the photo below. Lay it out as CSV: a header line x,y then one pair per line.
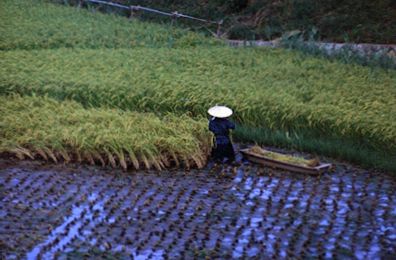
x,y
221,151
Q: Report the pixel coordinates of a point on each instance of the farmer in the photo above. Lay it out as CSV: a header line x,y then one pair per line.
x,y
220,126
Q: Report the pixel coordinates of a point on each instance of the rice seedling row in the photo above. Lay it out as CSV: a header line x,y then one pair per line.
x,y
41,128
240,212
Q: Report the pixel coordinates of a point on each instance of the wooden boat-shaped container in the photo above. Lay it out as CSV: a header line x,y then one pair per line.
x,y
284,165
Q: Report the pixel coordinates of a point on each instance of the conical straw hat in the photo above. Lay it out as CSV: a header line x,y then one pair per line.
x,y
220,111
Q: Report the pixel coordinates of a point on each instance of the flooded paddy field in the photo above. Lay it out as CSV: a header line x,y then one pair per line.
x,y
234,211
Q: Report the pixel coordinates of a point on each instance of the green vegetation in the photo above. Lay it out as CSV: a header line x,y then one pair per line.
x,y
32,127
299,93
345,20
341,148
105,62
345,54
27,24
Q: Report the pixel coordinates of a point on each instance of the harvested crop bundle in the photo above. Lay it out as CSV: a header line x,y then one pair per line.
x,y
284,157
39,127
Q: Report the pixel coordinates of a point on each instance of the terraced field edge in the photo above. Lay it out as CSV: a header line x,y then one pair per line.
x,y
39,127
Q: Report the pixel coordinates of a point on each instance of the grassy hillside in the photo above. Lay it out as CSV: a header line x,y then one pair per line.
x,y
29,24
337,21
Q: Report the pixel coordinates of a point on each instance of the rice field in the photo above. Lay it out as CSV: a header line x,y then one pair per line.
x,y
41,128
99,89
225,212
37,24
107,62
329,98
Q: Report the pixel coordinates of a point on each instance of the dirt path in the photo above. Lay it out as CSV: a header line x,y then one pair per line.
x,y
225,212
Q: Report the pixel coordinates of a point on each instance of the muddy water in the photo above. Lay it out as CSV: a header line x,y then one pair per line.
x,y
227,212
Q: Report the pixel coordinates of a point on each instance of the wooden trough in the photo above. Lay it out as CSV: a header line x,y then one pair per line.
x,y
284,165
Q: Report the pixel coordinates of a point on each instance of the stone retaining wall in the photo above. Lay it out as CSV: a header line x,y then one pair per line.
x,y
362,49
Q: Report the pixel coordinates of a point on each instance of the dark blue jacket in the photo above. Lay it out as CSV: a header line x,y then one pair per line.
x,y
221,129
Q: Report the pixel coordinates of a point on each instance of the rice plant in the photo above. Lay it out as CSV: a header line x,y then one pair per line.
x,y
42,128
107,62
36,24
272,89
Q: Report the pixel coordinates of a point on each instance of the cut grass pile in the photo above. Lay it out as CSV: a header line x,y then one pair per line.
x,y
297,94
39,127
35,24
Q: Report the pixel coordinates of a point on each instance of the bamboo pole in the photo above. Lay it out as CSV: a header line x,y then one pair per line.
x,y
174,15
218,32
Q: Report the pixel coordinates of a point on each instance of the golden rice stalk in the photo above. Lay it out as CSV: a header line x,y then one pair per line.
x,y
156,162
18,154
134,160
186,162
91,136
111,159
65,155
121,158
152,159
203,158
161,164
258,150
27,152
313,162
164,161
197,161
97,156
175,159
145,161
51,154
22,152
79,157
89,158
42,154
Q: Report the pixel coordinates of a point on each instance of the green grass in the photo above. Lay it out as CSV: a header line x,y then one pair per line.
x,y
38,127
335,147
337,21
29,24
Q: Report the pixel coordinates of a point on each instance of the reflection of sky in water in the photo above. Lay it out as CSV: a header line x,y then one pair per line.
x,y
76,213
70,228
256,217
